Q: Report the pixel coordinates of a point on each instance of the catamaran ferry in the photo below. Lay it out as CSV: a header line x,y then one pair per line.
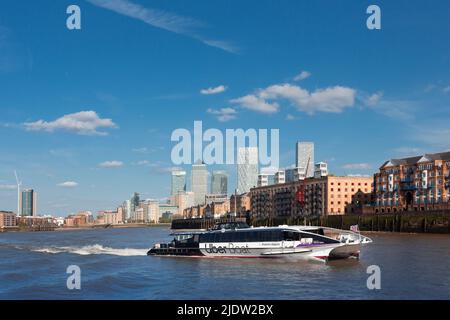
x,y
238,240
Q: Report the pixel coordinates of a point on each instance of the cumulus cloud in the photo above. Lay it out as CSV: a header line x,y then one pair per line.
x,y
214,90
302,76
374,99
83,123
111,164
68,184
333,99
357,166
256,103
223,114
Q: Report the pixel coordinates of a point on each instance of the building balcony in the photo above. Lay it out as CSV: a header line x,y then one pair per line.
x,y
408,188
407,180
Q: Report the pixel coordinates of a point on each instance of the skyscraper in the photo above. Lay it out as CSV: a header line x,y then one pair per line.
x,y
247,169
178,182
28,203
199,182
134,205
304,153
219,182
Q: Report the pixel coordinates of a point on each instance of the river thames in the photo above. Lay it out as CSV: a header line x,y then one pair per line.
x,y
114,265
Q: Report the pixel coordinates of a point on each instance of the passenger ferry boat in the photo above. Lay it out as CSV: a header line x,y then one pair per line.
x,y
238,240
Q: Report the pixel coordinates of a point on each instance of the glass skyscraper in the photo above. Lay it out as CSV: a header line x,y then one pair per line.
x,y
247,169
304,152
199,182
28,203
219,182
178,182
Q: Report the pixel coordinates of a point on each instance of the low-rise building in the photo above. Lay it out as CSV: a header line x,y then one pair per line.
x,y
80,219
312,197
240,204
8,219
414,183
217,209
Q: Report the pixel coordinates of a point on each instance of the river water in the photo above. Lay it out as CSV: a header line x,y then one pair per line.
x,y
114,265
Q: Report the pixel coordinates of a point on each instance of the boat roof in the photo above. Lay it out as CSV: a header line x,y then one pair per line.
x,y
282,227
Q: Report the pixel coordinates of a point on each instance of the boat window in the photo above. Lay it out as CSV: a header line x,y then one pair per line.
x,y
291,236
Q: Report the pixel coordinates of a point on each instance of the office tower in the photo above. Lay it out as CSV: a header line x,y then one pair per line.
x,y
28,203
199,182
178,182
305,154
219,182
247,169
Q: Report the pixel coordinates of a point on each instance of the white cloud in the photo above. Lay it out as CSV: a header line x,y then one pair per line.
x,y
111,164
141,150
68,184
446,89
83,123
397,109
290,117
163,20
333,99
7,187
255,103
224,114
302,76
357,166
374,99
408,151
214,90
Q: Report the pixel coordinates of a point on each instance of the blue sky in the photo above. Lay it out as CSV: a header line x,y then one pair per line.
x,y
310,68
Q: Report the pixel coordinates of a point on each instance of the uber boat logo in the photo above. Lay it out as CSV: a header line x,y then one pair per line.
x,y
374,280
73,22
74,280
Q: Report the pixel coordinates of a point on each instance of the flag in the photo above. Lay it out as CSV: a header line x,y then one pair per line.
x,y
354,228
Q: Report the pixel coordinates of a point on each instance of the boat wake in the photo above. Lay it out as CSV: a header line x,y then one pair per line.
x,y
93,249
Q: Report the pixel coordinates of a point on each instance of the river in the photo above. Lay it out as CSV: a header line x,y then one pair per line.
x,y
114,265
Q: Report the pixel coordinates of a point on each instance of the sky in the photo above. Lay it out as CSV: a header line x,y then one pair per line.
x,y
86,116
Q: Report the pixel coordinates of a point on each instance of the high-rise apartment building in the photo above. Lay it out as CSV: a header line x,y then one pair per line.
x,y
304,157
199,182
247,169
28,203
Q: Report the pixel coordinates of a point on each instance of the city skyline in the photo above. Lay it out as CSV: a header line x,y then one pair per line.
x,y
88,114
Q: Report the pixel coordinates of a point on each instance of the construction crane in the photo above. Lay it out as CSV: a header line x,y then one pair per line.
x,y
301,192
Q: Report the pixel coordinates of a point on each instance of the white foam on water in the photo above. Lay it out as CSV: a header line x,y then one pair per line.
x,y
93,249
